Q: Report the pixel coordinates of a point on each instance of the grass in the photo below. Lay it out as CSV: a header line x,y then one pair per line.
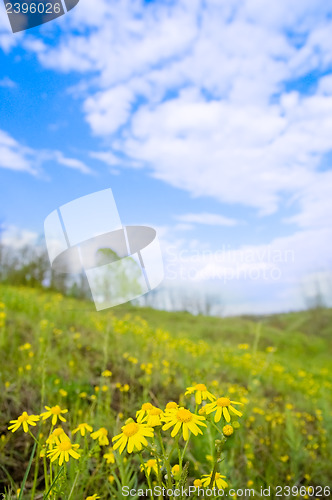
x,y
54,351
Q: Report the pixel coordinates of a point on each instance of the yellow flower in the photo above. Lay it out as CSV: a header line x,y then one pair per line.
x,y
243,346
63,393
151,465
92,497
222,406
176,471
111,479
143,411
109,456
172,406
218,481
25,420
101,434
82,428
284,458
198,483
153,417
106,373
133,435
55,413
25,347
54,437
227,430
201,393
182,417
62,449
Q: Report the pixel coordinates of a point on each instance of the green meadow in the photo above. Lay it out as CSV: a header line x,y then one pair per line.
x,y
102,367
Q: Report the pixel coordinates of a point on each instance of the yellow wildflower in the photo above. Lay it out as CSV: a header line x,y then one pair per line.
x,y
25,420
222,406
218,481
109,457
54,412
101,434
63,449
151,465
133,435
82,428
201,393
183,417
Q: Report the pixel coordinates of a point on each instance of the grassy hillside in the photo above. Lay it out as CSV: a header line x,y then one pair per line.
x,y
103,366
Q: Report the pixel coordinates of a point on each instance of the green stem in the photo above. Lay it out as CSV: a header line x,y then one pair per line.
x,y
35,477
218,454
53,483
166,461
184,451
146,474
74,484
28,470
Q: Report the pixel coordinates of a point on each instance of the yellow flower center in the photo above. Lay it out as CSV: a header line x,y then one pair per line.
x,y
184,416
151,463
155,411
24,417
147,406
223,402
56,410
130,429
65,446
103,431
200,387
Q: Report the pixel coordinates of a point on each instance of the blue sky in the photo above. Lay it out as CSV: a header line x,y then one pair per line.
x,y
211,121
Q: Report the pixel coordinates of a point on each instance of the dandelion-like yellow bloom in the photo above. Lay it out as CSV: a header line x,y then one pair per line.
x,y
54,412
133,435
92,497
106,373
222,406
101,434
218,481
140,414
154,417
25,420
151,465
201,393
198,483
109,457
63,449
185,419
82,428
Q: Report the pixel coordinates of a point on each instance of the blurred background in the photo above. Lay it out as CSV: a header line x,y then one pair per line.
x,y
211,122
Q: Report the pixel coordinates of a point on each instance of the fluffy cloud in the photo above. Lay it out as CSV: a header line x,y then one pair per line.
x,y
15,156
200,94
208,219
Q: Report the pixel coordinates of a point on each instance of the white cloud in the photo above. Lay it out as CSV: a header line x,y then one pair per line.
x,y
7,83
227,129
207,219
16,237
14,156
72,163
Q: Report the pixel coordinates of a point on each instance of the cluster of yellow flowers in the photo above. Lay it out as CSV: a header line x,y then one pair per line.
x,y
134,435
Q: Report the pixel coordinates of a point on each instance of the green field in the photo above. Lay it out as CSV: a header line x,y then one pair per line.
x,y
56,351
